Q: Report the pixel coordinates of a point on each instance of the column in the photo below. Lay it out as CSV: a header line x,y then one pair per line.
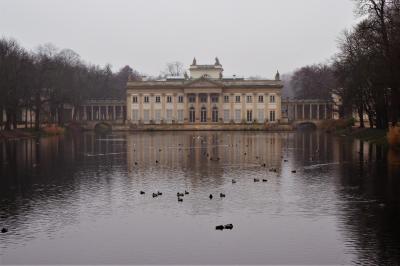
x,y
304,115
243,107
152,115
163,111
295,111
197,107
140,100
232,107
310,115
220,107
278,110
317,111
255,111
92,114
115,113
208,107
325,111
266,106
186,108
174,109
129,107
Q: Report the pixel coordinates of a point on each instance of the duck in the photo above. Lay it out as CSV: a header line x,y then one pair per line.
x,y
179,194
180,199
135,163
156,161
142,192
263,165
221,195
265,180
4,230
293,171
256,180
233,181
219,227
228,226
186,192
285,161
155,195
211,196
159,193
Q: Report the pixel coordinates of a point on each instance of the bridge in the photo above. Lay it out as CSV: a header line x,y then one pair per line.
x,y
307,112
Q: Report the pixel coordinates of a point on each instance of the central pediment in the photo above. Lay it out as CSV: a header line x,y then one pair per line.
x,y
204,83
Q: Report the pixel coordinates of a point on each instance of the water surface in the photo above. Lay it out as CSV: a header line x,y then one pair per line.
x,y
76,200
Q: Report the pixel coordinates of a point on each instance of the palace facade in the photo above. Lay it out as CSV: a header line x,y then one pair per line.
x,y
204,97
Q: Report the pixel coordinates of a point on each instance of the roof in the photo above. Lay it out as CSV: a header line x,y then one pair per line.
x,y
216,82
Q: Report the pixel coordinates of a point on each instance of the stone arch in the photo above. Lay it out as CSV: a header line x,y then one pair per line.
x,y
103,127
307,125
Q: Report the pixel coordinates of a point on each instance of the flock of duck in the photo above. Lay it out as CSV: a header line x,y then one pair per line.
x,y
211,196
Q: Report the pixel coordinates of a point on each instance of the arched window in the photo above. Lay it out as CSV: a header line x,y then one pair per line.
x,y
215,114
203,115
192,115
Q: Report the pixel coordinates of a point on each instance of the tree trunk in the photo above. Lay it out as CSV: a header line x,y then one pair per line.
x,y
361,116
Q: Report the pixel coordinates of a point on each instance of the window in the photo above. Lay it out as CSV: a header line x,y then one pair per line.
x,y
214,99
203,115
169,99
158,116
249,116
215,114
169,115
192,98
272,98
237,99
238,115
146,116
226,99
249,99
180,99
180,116
146,99
272,116
158,99
192,115
261,115
260,99
203,98
134,99
135,115
226,115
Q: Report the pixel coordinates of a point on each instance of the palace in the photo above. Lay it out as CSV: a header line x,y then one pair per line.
x,y
205,97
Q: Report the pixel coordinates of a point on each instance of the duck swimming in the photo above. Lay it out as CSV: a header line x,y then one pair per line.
x,y
222,195
142,192
219,227
4,230
228,226
211,196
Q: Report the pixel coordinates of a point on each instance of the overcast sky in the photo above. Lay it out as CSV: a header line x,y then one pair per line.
x,y
249,37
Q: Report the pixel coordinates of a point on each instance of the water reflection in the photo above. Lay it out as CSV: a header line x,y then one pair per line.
x,y
82,193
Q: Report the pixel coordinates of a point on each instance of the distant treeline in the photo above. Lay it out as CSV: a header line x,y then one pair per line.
x,y
49,78
366,70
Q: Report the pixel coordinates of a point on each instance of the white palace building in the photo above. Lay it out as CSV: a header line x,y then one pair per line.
x,y
205,97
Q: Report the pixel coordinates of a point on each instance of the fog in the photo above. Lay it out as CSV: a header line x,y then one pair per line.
x,y
249,37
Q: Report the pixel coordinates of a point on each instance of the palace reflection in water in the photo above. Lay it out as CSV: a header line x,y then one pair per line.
x,y
82,193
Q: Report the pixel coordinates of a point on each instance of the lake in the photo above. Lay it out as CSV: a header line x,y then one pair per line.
x,y
76,199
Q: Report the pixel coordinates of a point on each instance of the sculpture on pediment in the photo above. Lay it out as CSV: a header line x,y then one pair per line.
x,y
277,76
194,61
217,61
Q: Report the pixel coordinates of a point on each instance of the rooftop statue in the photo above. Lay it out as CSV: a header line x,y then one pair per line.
x,y
217,61
277,76
194,61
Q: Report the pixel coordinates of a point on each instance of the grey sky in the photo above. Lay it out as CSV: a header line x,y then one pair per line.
x,y
249,37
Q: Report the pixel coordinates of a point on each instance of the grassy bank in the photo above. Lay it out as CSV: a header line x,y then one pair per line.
x,y
31,133
346,128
